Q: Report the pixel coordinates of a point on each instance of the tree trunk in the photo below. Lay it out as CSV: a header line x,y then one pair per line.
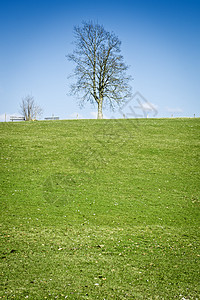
x,y
100,114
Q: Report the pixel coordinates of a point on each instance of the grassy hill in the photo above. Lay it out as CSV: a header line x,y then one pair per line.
x,y
100,209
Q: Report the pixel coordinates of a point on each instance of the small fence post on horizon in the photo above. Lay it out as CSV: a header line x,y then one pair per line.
x,y
5,117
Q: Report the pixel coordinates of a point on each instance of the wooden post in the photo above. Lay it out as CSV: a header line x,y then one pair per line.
x,y
5,117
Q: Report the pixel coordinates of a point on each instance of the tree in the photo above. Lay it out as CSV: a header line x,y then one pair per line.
x,y
100,69
29,109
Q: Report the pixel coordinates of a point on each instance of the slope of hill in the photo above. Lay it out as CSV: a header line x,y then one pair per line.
x,y
100,209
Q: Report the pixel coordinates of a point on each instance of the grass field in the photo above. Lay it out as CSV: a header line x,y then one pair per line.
x,y
100,209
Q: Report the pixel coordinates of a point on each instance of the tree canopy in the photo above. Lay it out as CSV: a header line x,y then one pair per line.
x,y
100,70
29,109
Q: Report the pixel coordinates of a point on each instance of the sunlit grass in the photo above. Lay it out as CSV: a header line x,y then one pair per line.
x,y
100,209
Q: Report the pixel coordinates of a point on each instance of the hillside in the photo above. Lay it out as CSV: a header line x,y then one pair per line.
x,y
100,209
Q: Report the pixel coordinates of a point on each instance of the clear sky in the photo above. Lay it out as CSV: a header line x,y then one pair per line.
x,y
160,42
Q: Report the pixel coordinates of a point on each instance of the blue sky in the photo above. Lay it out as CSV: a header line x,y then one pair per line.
x,y
160,42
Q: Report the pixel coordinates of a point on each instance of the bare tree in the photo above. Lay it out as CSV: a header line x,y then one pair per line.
x,y
100,69
29,109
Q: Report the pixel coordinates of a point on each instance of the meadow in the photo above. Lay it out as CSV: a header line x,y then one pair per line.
x,y
100,209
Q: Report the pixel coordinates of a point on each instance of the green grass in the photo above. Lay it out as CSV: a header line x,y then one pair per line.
x,y
100,209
